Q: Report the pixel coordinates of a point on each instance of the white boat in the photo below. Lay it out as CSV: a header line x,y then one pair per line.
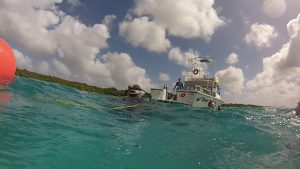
x,y
198,90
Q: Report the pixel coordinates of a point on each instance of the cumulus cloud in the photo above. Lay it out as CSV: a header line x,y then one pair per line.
x,y
27,27
279,83
164,77
182,58
274,8
232,59
22,61
185,19
43,67
61,68
71,47
79,44
25,62
232,80
123,71
177,56
108,20
261,35
119,70
144,33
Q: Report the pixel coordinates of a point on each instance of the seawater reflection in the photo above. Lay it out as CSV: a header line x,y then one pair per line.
x,y
5,96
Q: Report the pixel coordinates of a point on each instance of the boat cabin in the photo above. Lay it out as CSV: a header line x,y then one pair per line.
x,y
198,89
206,85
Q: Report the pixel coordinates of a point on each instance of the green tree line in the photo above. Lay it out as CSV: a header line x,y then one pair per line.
x,y
80,86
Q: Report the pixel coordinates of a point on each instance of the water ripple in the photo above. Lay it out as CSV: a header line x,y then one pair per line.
x,y
45,125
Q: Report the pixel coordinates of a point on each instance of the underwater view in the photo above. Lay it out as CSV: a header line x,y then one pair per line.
x,y
46,125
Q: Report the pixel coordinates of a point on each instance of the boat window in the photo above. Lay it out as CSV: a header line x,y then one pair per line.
x,y
198,88
188,87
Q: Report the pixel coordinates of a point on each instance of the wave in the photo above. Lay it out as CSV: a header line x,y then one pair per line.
x,y
45,125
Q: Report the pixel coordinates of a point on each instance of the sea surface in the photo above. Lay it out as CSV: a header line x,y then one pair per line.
x,y
48,126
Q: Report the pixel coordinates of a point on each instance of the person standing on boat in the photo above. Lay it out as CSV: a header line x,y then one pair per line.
x,y
178,85
298,109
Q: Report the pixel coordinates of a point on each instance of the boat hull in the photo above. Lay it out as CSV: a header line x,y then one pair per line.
x,y
197,99
192,98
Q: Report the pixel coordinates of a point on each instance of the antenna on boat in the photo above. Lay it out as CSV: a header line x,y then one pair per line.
x,y
214,64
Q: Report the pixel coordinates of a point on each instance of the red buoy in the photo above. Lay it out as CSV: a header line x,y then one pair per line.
x,y
7,63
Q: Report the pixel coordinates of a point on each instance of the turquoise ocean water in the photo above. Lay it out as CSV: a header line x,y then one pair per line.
x,y
49,126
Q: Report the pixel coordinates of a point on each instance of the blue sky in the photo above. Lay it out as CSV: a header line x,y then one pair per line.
x,y
69,39
226,40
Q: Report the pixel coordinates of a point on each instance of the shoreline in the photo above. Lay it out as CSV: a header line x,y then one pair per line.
x,y
77,85
94,89
238,105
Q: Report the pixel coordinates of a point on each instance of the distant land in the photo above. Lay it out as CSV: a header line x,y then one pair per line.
x,y
94,89
240,105
77,85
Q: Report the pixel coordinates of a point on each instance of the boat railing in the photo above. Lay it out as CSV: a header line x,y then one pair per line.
x,y
207,91
199,88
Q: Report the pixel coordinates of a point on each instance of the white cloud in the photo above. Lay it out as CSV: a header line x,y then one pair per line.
x,y
25,62
186,19
261,35
71,47
43,67
181,58
164,77
232,59
79,44
149,22
144,33
279,83
177,56
22,61
27,24
123,71
108,20
61,68
232,79
274,8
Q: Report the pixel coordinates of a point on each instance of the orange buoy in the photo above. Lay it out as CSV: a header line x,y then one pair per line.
x,y
7,63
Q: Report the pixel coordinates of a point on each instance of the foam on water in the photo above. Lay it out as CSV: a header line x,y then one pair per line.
x,y
45,125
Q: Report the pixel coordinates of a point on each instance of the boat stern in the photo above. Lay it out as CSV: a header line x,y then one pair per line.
x,y
158,94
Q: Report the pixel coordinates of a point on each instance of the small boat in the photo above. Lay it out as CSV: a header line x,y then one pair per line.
x,y
198,89
298,109
135,91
